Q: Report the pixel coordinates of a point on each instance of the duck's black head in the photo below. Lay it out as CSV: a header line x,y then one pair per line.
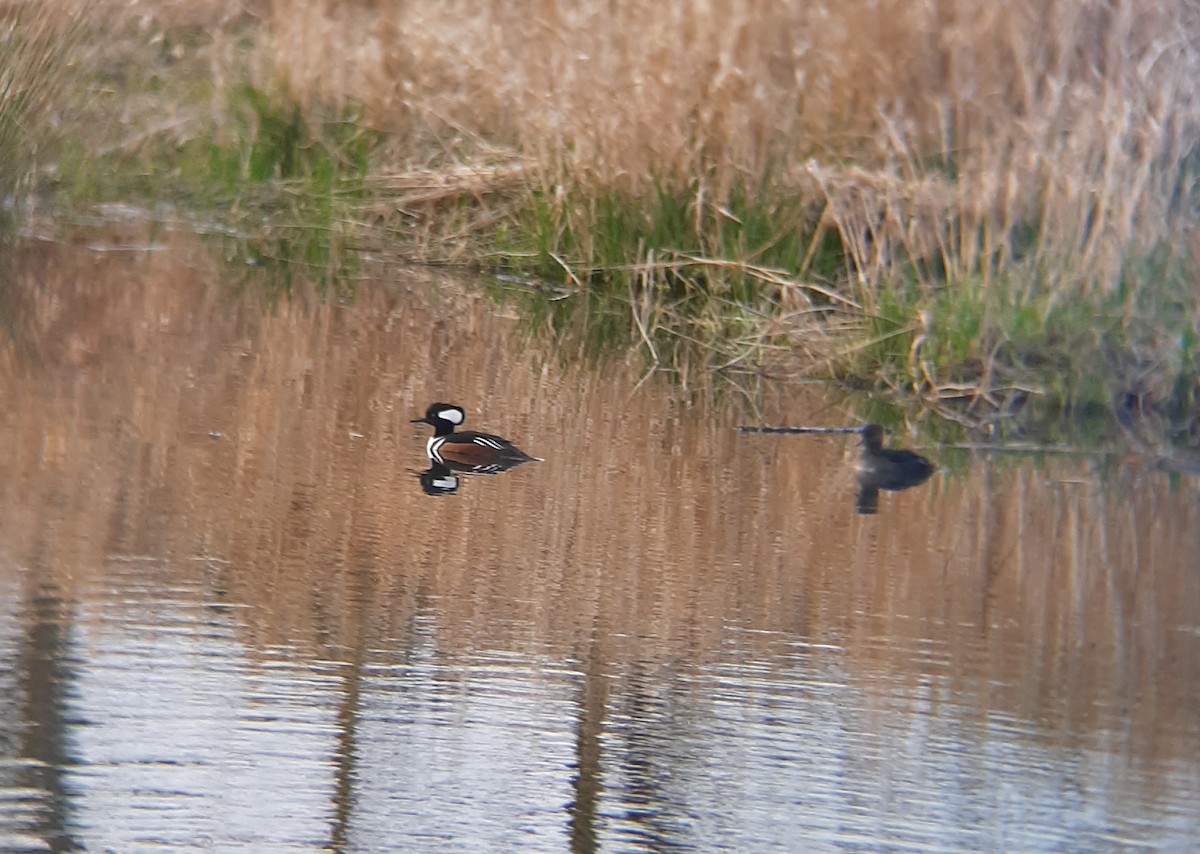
x,y
443,416
872,436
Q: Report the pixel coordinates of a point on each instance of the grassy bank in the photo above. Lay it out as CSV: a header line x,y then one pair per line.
x,y
975,207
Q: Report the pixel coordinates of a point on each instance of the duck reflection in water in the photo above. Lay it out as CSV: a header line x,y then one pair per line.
x,y
468,452
438,479
879,468
442,478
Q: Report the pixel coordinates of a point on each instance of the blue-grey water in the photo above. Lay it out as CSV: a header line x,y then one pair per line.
x,y
232,620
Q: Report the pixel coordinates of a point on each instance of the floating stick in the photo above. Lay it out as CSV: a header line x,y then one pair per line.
x,y
751,429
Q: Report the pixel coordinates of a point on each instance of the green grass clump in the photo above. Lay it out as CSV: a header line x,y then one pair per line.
x,y
276,184
287,182
269,142
752,227
988,346
687,282
264,151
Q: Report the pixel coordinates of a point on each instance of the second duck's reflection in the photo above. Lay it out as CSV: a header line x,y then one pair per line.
x,y
892,469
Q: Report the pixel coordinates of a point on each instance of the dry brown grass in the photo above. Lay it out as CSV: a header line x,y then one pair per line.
x,y
955,132
34,43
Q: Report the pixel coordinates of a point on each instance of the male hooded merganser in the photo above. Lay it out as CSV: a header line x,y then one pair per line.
x,y
886,468
469,451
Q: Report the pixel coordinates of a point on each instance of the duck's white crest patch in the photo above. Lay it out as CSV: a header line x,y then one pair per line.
x,y
454,416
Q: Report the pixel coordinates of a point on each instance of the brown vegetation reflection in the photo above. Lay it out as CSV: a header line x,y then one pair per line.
x,y
267,449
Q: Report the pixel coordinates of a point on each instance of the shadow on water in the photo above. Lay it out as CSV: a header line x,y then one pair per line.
x,y
219,579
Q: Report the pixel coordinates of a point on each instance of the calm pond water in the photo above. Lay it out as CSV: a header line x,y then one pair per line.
x,y
231,618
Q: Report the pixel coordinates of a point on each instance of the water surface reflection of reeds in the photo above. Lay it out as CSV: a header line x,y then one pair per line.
x,y
261,454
